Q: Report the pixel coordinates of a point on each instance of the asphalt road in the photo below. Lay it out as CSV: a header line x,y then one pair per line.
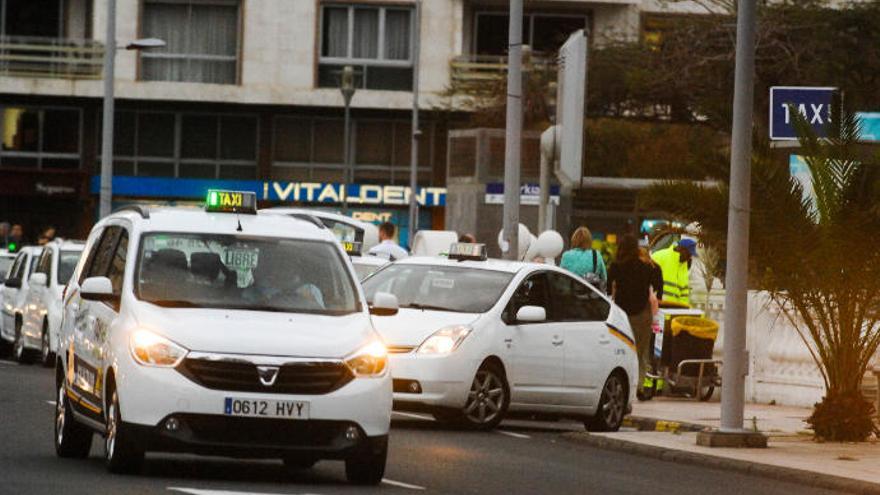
x,y
521,458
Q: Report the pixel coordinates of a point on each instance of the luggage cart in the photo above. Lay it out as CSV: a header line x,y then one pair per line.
x,y
683,362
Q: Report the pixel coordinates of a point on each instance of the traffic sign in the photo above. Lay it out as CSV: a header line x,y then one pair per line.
x,y
814,103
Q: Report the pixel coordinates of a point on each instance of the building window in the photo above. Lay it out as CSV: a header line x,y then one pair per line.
x,y
543,32
202,41
312,149
192,145
41,138
377,41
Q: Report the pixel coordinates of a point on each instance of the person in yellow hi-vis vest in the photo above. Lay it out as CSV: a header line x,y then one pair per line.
x,y
675,261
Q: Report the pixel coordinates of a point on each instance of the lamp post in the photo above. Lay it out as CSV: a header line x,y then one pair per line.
x,y
416,132
348,88
105,202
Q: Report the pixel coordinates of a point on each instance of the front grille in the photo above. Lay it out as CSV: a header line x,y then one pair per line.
x,y
306,378
261,432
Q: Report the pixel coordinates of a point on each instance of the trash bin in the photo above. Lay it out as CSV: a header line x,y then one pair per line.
x,y
693,337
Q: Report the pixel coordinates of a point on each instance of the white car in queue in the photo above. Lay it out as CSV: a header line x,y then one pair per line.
x,y
355,235
475,338
14,292
221,332
41,318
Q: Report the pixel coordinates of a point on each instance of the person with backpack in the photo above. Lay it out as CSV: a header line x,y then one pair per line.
x,y
583,260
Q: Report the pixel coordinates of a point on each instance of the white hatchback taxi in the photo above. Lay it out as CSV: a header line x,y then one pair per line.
x,y
221,332
474,338
14,292
41,317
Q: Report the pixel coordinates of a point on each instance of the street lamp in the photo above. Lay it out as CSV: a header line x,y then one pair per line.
x,y
347,87
105,202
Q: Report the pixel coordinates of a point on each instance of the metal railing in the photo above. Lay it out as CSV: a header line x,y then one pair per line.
x,y
477,70
30,56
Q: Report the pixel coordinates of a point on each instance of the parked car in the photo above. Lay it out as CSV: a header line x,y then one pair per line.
x,y
41,315
14,292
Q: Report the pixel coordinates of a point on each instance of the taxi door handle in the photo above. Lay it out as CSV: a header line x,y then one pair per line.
x,y
604,340
557,341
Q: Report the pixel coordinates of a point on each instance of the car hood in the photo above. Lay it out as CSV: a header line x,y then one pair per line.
x,y
258,332
410,327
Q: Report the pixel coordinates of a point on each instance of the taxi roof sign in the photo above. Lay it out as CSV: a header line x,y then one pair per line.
x,y
351,248
220,201
462,251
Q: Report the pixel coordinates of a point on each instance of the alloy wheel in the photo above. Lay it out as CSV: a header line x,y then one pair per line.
x,y
112,428
615,401
485,398
60,414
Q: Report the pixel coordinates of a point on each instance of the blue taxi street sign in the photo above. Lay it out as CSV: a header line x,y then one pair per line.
x,y
870,126
814,103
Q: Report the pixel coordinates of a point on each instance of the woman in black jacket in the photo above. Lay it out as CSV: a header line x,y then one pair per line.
x,y
631,279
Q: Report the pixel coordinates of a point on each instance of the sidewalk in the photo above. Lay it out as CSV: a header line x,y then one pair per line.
x,y
667,430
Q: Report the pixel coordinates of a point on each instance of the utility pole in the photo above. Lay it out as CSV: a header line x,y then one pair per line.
x,y
416,132
732,433
513,134
105,198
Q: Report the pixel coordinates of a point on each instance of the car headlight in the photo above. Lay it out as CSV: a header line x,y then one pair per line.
x,y
150,349
445,340
369,361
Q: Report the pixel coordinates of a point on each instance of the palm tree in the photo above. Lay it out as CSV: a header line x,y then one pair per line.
x,y
816,254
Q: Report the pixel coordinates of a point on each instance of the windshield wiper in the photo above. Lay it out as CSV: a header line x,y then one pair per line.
x,y
429,307
176,303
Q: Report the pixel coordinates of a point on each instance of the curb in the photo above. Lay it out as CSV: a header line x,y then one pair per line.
x,y
642,423
779,473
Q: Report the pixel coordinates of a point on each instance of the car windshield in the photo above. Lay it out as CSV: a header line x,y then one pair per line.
x,y
238,272
364,270
66,264
442,288
5,264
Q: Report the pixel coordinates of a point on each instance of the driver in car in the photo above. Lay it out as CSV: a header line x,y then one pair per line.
x,y
276,284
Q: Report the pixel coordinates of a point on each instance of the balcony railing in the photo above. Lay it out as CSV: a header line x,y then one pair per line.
x,y
27,56
473,72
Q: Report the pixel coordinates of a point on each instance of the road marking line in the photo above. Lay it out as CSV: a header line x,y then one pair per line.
x,y
411,415
199,491
402,484
512,434
51,403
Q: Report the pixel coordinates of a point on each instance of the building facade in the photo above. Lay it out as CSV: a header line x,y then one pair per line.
x,y
247,90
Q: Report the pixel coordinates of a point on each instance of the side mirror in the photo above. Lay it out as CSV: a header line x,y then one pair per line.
x,y
13,283
384,304
97,289
531,314
39,279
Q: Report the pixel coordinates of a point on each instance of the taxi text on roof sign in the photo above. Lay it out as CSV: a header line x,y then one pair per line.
x,y
352,248
231,201
467,251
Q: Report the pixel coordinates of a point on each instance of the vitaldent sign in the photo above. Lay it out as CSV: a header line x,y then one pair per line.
x,y
282,191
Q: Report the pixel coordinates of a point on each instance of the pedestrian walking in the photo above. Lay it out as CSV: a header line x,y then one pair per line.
x,y
4,233
583,260
387,247
633,280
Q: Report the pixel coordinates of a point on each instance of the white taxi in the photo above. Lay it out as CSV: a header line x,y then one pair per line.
x,y
14,291
221,332
475,338
41,317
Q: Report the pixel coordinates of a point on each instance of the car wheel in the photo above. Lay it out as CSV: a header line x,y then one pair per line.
x,y
47,357
121,453
22,355
612,406
367,467
487,399
71,438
